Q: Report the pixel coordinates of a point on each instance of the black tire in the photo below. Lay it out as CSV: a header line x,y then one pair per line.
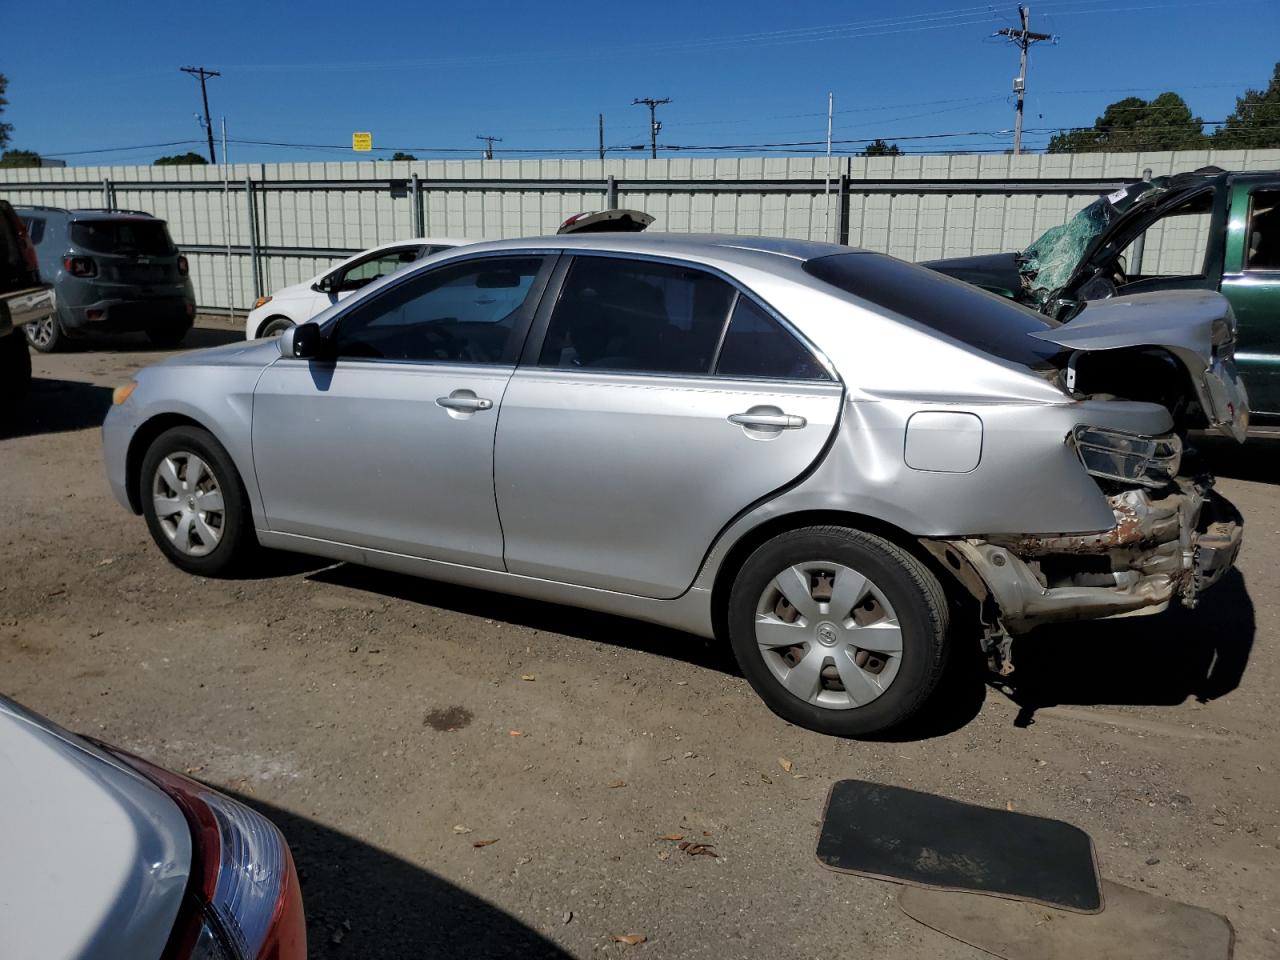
x,y
15,369
912,591
169,335
237,541
275,326
47,336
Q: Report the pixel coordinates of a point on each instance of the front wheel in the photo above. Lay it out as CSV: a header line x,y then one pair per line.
x,y
838,630
275,326
195,504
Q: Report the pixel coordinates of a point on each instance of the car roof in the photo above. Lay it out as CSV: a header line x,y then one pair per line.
x,y
766,252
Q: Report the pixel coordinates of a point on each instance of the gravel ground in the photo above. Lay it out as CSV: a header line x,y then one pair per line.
x,y
390,724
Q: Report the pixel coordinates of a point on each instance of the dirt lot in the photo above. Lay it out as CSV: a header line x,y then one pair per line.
x,y
388,724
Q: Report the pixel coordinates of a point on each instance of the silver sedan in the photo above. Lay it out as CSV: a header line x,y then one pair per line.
x,y
844,465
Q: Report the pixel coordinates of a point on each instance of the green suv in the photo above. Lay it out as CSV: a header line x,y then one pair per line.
x,y
112,271
1208,230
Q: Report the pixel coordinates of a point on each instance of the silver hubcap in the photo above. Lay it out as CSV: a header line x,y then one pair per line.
x,y
188,503
41,332
829,635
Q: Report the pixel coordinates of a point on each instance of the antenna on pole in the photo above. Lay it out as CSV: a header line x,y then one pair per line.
x,y
488,144
654,125
204,76
1023,37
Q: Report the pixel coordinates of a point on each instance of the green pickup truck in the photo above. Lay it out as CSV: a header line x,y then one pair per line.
x,y
1208,230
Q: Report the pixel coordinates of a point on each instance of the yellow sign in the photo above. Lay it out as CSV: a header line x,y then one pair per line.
x,y
362,142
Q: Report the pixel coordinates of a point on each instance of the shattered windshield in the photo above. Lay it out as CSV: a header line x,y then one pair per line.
x,y
1049,262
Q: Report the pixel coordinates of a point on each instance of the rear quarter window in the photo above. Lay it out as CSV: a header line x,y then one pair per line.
x,y
148,237
955,309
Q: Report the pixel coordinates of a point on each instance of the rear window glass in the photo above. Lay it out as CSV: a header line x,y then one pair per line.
x,y
951,307
149,237
35,229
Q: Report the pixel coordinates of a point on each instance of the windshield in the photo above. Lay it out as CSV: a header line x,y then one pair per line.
x,y
148,237
987,322
1050,261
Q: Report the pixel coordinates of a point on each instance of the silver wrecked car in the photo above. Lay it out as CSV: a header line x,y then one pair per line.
x,y
812,452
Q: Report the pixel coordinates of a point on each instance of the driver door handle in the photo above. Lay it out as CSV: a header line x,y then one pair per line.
x,y
770,421
467,404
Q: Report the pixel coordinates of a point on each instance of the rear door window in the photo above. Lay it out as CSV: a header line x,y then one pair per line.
x,y
146,237
758,347
637,315
35,229
1262,240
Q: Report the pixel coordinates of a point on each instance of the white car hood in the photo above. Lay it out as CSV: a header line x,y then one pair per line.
x,y
94,858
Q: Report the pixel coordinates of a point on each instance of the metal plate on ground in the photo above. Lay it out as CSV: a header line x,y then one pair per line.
x,y
905,836
1135,926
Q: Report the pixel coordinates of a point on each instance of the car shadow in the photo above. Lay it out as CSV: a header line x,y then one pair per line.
x,y
1156,660
537,614
364,902
1254,460
197,338
55,406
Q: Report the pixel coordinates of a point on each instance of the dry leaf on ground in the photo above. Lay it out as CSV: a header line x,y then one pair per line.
x,y
484,843
628,938
785,764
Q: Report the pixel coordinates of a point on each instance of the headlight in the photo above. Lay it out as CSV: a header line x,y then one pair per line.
x,y
1128,457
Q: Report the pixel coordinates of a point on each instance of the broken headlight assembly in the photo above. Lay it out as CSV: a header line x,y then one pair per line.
x,y
1128,457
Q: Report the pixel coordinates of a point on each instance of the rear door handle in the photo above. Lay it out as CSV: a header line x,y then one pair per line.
x,y
768,421
467,404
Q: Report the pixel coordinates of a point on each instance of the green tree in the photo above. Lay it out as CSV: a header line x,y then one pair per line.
x,y
878,148
180,159
1255,122
5,128
401,155
1162,123
19,158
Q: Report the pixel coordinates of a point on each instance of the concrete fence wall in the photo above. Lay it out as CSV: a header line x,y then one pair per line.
x,y
286,222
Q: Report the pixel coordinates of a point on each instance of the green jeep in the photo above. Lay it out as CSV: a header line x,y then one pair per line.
x,y
1208,230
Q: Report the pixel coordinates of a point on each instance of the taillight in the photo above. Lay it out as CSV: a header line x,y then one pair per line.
x,y
79,266
183,267
243,899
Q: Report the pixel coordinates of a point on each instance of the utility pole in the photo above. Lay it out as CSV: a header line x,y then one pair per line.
x,y
488,144
654,125
1024,38
204,75
600,117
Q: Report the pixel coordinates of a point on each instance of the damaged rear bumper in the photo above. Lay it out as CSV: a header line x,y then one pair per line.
x,y
1165,545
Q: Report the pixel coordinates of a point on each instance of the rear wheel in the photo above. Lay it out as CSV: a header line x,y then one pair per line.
x,y
45,335
838,630
194,503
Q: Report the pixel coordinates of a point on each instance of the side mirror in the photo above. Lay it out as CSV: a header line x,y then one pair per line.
x,y
326,284
302,342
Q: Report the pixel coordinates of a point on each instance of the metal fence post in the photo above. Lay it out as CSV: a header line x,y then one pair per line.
x,y
610,193
1139,245
842,219
108,194
419,213
251,211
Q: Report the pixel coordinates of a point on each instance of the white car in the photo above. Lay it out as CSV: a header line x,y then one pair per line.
x,y
274,314
105,856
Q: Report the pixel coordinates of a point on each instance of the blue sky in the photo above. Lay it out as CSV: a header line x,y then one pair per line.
x,y
420,75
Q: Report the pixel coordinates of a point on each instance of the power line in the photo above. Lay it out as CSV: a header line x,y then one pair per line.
x,y
204,76
1024,38
654,125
